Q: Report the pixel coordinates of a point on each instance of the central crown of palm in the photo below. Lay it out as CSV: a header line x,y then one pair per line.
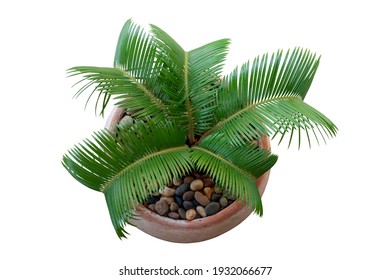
x,y
188,117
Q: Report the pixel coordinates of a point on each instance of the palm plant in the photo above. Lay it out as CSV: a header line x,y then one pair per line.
x,y
187,117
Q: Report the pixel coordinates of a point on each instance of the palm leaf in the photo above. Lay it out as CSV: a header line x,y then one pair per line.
x,y
136,54
134,78
191,79
267,95
129,93
127,171
205,66
235,168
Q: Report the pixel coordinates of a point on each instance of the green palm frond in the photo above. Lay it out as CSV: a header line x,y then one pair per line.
x,y
136,54
267,95
205,65
127,171
191,79
129,93
235,168
133,81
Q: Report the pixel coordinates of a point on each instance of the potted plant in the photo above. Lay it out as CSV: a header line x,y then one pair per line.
x,y
177,117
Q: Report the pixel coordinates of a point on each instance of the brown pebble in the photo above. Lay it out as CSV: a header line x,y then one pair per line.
x,y
201,198
196,185
208,192
173,207
168,199
190,214
189,195
161,207
188,180
177,181
201,211
173,215
167,191
208,182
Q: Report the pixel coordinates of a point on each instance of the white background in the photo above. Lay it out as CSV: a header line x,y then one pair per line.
x,y
326,208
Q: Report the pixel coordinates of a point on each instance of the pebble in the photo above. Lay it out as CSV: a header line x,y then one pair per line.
x,y
167,191
223,201
201,211
182,189
177,181
208,183
173,215
188,205
126,121
173,207
190,214
208,192
201,198
188,195
188,180
196,185
152,207
182,213
179,200
152,200
161,207
168,199
215,197
212,208
195,203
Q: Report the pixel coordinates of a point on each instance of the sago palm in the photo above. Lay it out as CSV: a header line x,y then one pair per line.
x,y
188,117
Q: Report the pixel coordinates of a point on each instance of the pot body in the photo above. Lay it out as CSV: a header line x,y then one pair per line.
x,y
197,230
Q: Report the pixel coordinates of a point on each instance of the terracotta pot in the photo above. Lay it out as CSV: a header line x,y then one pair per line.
x,y
197,230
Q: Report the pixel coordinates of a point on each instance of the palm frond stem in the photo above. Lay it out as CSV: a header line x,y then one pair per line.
x,y
191,135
